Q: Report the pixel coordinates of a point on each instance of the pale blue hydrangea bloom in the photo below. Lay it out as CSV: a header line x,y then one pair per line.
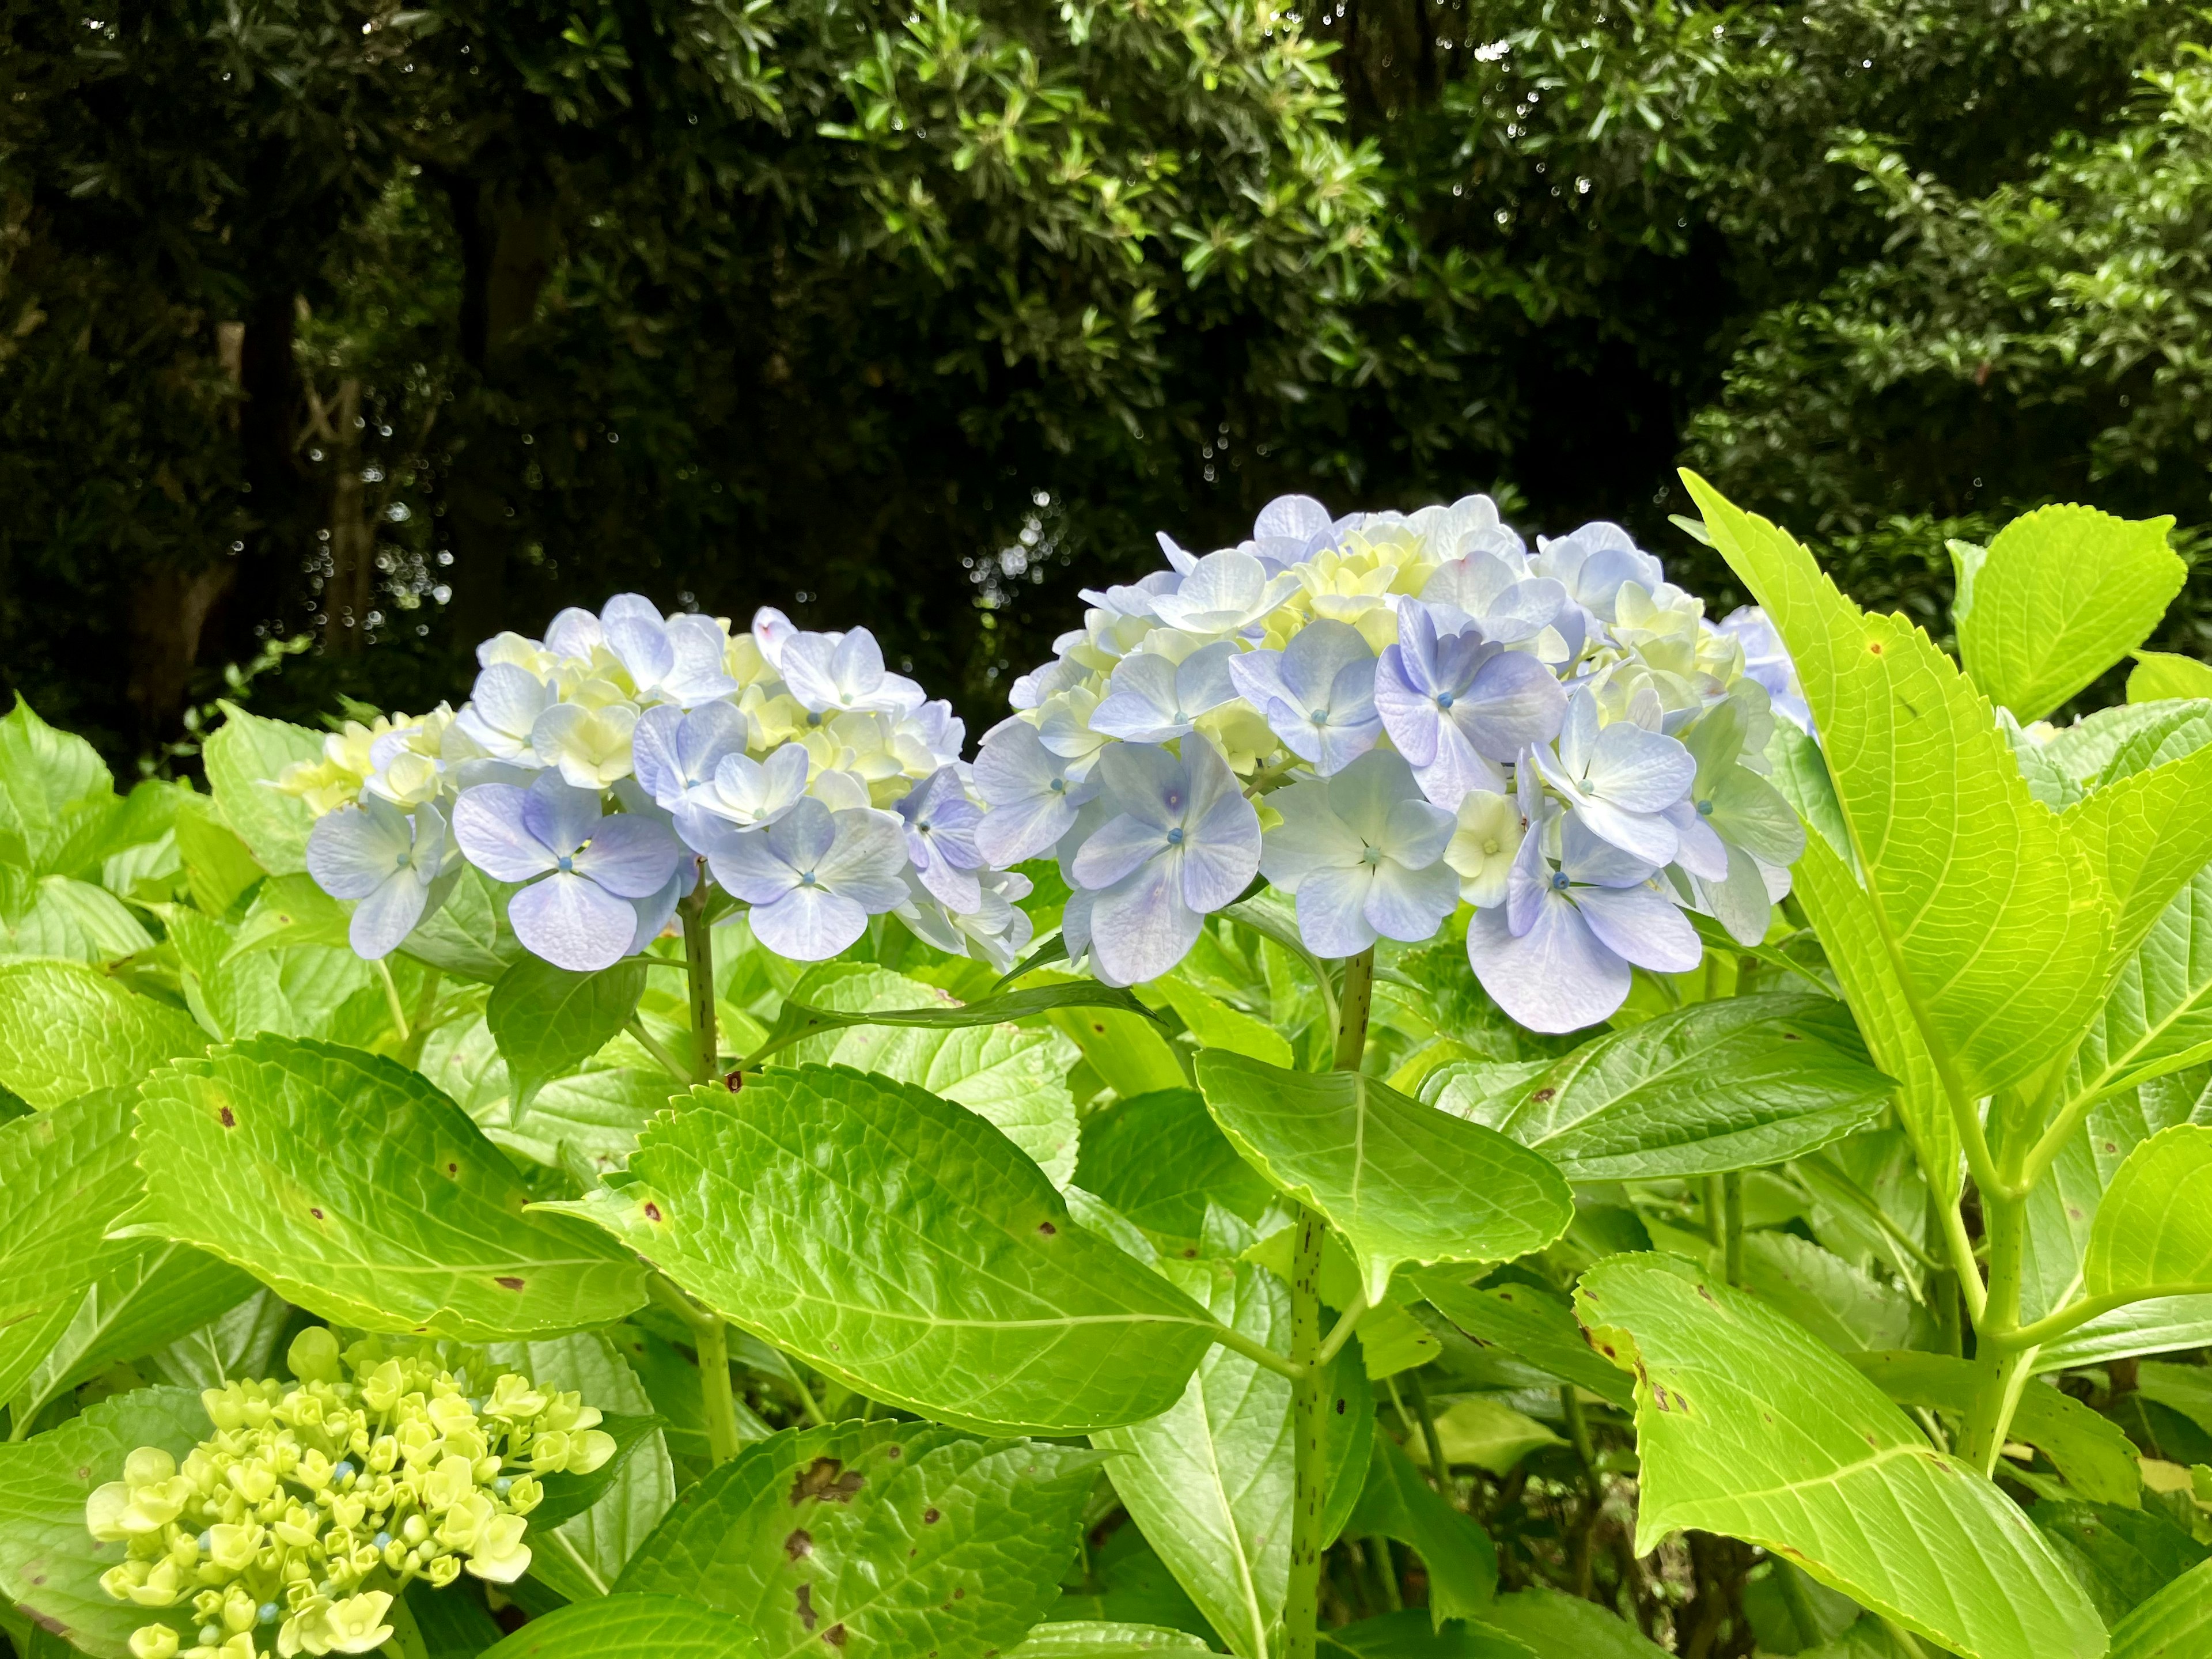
x,y
1225,592
1557,955
674,753
1496,592
743,794
1458,705
1621,780
502,711
1363,852
814,876
1184,842
941,839
1594,562
393,862
583,869
1317,694
1154,699
844,673
1033,794
1766,659
994,931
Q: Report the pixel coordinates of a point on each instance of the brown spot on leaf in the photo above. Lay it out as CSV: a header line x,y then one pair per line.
x,y
806,1605
893,1451
1543,1095
652,1211
1191,1255
800,1544
508,1282
1875,646
826,1477
733,1081
453,1169
959,1594
1047,1229
1340,1405
1791,1037
834,1636
929,1517
1706,1293
229,1118
315,1213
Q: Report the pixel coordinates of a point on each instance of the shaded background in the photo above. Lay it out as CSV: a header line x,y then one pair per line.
x,y
335,336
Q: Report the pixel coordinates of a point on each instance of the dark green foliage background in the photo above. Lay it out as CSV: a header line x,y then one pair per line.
x,y
927,318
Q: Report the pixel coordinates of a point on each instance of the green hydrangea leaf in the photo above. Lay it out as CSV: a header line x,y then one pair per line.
x,y
57,796
2174,1623
1991,915
66,1029
1092,1639
664,1626
2060,595
2093,1454
1400,1181
1211,1479
547,1021
1407,1634
1533,1324
1553,1622
1160,1159
2153,1233
1730,1084
900,1243
876,1538
1746,1425
2161,677
1397,1503
354,1188
66,1176
2121,1558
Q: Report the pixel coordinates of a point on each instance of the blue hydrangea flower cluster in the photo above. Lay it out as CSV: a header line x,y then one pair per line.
x,y
1385,715
600,770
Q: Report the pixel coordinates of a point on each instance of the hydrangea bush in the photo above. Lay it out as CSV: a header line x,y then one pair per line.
x,y
1417,1096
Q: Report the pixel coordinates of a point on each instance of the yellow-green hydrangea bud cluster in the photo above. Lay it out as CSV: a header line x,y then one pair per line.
x,y
295,1523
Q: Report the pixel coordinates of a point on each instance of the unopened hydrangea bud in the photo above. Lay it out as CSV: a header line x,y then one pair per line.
x,y
314,1355
153,1642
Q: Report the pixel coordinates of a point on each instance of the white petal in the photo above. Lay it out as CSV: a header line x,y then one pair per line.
x,y
1637,770
1116,850
1221,855
353,851
1643,835
631,856
387,916
1310,837
1141,929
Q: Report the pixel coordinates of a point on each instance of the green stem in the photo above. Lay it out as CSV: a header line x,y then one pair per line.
x,y
1799,1599
391,1000
426,1009
2002,1369
1732,1226
1309,1391
653,1045
1236,1342
1578,1434
807,1403
1385,1571
1432,1440
711,1339
699,970
1340,1333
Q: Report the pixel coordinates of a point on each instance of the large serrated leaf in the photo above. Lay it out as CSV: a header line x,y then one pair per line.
x,y
57,796
800,1021
2060,595
1991,914
1553,1622
590,1119
354,1188
1721,1085
66,1030
664,1627
65,1175
1014,1079
1211,1481
2149,832
155,1295
879,1539
2160,1011
2163,677
1407,1634
50,1566
1400,1181
902,1244
1846,919
307,991
1748,1426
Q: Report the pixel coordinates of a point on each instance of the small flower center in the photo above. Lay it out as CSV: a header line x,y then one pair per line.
x,y
1372,856
403,860
1443,699
1705,809
1058,785
1174,837
566,864
1490,847
806,879
1559,881
1319,717
813,718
